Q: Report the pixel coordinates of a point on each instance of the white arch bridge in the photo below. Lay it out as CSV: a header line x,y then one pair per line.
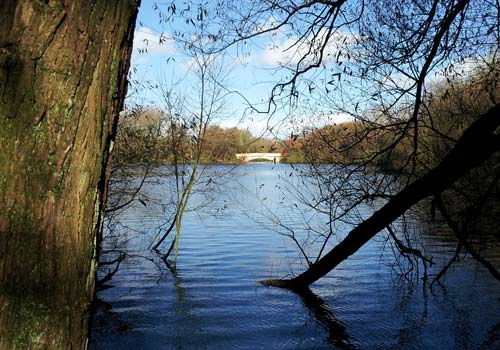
x,y
248,157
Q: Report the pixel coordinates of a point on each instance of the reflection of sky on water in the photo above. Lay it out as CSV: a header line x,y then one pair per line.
x,y
214,300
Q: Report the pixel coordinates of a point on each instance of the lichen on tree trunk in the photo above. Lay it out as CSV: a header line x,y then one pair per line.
x,y
63,67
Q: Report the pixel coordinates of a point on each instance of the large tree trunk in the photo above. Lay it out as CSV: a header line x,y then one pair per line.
x,y
476,145
63,66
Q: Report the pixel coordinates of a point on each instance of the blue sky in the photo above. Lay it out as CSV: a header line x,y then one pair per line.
x,y
166,62
251,75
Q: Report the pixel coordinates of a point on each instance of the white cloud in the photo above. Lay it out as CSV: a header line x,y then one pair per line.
x,y
196,62
339,118
462,69
282,127
150,42
269,24
288,51
301,122
257,127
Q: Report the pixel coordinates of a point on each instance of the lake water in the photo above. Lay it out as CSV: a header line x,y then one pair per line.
x,y
215,301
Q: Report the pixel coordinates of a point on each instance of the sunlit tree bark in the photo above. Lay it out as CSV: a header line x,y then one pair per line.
x,y
63,67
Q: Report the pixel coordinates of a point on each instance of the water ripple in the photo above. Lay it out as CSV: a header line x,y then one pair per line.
x,y
214,300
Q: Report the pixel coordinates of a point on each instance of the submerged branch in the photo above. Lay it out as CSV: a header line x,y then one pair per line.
x,y
100,284
165,235
448,265
477,143
337,334
463,240
406,251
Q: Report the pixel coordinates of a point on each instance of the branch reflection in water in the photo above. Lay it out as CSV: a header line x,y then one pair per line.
x,y
337,334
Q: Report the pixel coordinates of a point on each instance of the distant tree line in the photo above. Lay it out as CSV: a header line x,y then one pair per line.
x,y
147,136
452,105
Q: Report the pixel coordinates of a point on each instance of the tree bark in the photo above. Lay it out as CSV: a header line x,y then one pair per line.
x,y
476,145
63,67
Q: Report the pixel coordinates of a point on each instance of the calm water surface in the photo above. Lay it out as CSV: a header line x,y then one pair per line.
x,y
214,300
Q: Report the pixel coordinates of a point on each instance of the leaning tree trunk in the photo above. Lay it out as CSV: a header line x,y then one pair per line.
x,y
63,66
476,144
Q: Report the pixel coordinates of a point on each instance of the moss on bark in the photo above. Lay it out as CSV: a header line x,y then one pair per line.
x,y
59,60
